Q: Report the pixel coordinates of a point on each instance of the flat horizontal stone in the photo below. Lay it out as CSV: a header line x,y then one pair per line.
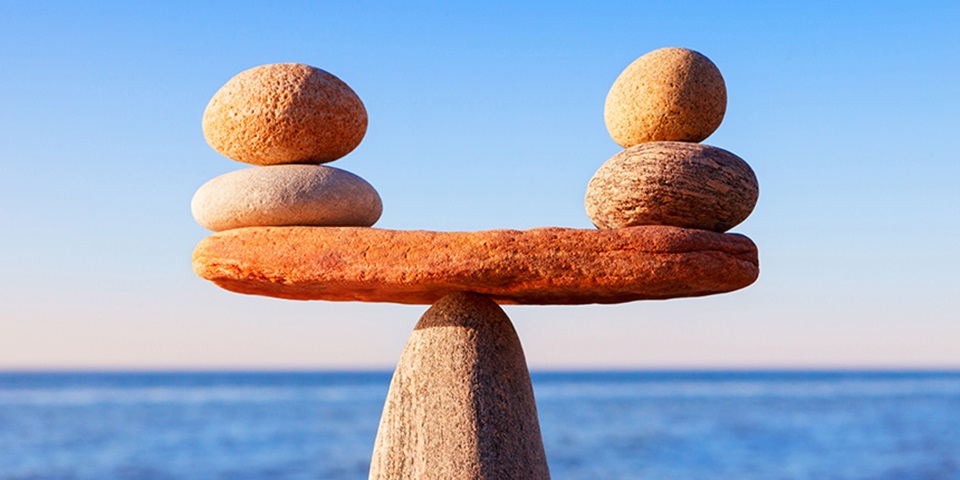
x,y
540,266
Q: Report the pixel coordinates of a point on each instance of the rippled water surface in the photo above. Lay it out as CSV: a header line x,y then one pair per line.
x,y
657,425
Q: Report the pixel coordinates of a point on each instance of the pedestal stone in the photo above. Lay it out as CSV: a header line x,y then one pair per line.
x,y
461,404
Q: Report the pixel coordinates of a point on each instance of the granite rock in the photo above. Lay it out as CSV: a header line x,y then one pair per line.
x,y
539,266
460,404
670,94
681,184
286,195
284,113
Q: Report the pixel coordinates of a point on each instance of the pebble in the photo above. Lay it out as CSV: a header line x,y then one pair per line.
x,y
286,195
284,113
670,94
681,184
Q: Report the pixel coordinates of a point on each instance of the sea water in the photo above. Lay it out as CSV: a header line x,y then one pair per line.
x,y
595,425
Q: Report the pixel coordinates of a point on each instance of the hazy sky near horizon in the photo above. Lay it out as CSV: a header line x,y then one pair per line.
x,y
482,115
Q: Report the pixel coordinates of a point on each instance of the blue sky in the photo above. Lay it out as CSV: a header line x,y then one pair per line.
x,y
483,115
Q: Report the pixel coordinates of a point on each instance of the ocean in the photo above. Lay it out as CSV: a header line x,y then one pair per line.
x,y
596,425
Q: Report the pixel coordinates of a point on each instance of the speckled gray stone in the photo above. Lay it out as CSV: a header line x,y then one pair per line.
x,y
680,184
460,404
282,195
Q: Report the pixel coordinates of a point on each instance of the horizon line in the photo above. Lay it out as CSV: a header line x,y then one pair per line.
x,y
534,371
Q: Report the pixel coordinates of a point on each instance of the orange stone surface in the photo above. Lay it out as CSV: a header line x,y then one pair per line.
x,y
542,266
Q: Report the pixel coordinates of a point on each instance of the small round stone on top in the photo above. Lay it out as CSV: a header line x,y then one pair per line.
x,y
284,113
670,94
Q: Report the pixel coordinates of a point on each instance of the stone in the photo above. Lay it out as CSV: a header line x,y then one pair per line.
x,y
680,184
670,94
540,266
286,195
460,404
284,113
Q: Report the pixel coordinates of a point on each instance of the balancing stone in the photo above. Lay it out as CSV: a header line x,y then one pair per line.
x,y
682,184
539,266
668,94
284,113
286,195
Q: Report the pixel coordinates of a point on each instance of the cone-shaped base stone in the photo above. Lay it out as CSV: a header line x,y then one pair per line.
x,y
461,404
539,266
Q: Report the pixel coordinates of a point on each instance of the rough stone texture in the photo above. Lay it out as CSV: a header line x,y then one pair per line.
x,y
667,94
284,113
540,266
461,404
672,183
286,195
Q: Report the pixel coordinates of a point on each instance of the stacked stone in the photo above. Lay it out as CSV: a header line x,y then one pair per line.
x,y
659,109
287,119
461,405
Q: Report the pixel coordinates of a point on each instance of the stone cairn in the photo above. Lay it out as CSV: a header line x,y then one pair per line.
x,y
461,404
288,119
658,109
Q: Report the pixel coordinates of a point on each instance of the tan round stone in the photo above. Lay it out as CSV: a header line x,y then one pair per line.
x,y
681,184
670,94
281,195
284,113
